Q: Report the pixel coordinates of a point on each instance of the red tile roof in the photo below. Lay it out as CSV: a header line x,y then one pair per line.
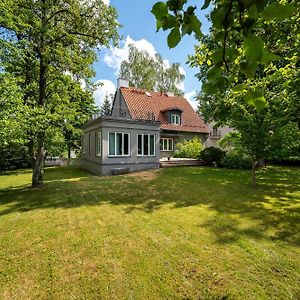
x,y
143,104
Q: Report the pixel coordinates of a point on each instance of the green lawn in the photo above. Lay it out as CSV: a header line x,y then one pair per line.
x,y
178,233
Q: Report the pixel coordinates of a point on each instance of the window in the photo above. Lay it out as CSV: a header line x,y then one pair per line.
x,y
118,144
166,144
98,143
146,144
175,119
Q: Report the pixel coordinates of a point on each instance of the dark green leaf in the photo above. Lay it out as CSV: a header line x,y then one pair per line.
x,y
167,22
278,11
213,73
196,25
256,99
210,88
268,57
248,68
239,87
253,11
231,54
159,10
174,37
206,4
176,5
217,16
254,47
187,28
217,56
191,10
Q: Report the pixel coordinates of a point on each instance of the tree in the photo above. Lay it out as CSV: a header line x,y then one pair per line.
x,y
49,46
13,150
146,72
248,64
237,28
106,106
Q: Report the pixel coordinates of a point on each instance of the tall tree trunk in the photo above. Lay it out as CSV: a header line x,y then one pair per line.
x,y
253,172
37,174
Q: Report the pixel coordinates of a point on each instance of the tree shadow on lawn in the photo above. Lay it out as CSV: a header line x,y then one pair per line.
x,y
272,206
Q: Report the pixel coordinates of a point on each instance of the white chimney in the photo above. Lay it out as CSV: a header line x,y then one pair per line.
x,y
170,94
122,83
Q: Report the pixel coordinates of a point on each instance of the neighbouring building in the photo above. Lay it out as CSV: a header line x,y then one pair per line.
x,y
143,128
216,134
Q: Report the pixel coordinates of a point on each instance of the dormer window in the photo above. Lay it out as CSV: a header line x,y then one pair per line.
x,y
175,119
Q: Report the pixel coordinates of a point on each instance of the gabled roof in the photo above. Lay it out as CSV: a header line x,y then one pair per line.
x,y
144,103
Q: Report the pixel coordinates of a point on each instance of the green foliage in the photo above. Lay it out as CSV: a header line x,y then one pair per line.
x,y
189,148
14,156
236,160
174,37
285,144
278,11
146,72
55,143
106,106
235,23
259,94
49,47
212,156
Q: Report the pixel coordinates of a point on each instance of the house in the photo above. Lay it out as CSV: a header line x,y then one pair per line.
x,y
216,134
143,128
178,120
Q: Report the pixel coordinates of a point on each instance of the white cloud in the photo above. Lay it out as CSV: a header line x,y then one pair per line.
x,y
190,97
107,87
105,2
181,70
180,85
116,55
166,64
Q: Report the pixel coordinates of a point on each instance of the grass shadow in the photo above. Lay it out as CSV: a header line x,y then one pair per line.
x,y
272,208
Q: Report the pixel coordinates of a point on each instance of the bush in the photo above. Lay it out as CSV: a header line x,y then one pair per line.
x,y
212,156
288,161
189,149
14,157
236,160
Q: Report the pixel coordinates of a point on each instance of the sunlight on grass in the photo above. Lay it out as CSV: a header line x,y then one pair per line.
x,y
178,233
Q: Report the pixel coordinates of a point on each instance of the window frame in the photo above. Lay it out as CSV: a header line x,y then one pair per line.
x,y
119,155
168,144
177,118
142,147
98,143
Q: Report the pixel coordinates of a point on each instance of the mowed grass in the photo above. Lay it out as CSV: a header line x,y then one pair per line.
x,y
178,233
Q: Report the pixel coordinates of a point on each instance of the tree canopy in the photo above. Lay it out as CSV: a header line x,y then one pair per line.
x,y
151,73
238,30
248,65
48,47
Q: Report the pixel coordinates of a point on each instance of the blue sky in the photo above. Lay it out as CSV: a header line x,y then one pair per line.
x,y
139,28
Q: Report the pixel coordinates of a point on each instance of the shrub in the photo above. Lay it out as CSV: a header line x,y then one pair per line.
x,y
14,156
236,160
189,148
212,156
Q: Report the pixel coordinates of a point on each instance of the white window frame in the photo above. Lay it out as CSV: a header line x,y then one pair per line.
x,y
119,155
137,144
168,144
98,143
176,120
